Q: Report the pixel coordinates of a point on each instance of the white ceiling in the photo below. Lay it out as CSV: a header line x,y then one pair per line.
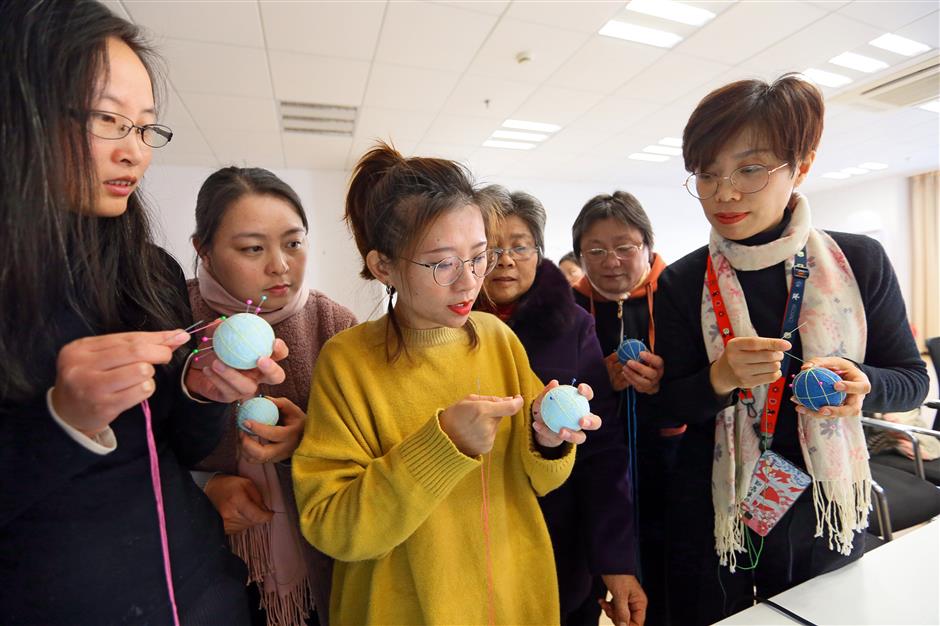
x,y
437,78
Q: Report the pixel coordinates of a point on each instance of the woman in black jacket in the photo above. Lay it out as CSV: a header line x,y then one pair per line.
x,y
89,348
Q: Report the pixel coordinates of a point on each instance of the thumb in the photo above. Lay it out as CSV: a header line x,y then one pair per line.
x,y
253,495
500,408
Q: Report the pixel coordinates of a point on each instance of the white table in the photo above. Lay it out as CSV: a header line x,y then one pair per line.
x,y
897,583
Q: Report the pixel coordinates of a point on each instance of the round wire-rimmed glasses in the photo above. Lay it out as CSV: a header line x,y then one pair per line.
x,y
448,270
746,179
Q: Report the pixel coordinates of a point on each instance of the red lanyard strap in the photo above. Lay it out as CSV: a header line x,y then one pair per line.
x,y
800,272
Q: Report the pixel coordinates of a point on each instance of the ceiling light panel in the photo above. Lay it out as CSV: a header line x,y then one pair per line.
x,y
899,45
536,126
667,150
518,135
826,79
509,145
858,62
639,34
643,156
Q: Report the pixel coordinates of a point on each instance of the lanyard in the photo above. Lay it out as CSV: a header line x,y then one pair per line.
x,y
800,273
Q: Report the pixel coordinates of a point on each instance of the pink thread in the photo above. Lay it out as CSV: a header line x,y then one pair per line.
x,y
158,494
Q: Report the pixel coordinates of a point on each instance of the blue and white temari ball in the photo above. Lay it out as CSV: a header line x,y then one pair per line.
x,y
259,409
630,350
243,339
563,407
815,388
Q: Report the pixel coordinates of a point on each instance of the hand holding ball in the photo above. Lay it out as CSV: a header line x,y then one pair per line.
x,y
259,410
242,339
563,407
814,388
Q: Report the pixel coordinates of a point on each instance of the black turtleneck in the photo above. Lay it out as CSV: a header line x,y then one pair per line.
x,y
892,362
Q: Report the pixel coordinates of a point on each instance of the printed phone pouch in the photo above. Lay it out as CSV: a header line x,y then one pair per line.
x,y
775,485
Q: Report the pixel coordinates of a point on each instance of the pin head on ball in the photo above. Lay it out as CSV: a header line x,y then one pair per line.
x,y
563,407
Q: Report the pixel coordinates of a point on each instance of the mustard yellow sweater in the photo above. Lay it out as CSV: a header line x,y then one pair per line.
x,y
384,491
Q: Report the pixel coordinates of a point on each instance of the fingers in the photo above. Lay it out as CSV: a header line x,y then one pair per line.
x,y
125,377
288,409
499,407
761,344
590,422
280,351
585,390
252,507
270,372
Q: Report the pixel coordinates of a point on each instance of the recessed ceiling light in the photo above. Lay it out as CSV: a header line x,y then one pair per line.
x,y
642,156
511,145
854,171
667,150
933,105
640,34
836,175
671,141
675,11
858,62
537,126
899,45
871,165
826,79
515,134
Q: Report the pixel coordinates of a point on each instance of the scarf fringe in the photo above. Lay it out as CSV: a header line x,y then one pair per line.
x,y
253,547
729,539
843,509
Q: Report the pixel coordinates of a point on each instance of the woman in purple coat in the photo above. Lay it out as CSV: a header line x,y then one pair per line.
x,y
590,517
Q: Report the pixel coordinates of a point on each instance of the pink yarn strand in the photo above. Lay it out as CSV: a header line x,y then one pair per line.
x,y
158,495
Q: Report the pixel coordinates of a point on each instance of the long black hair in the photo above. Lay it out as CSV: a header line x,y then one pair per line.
x,y
54,253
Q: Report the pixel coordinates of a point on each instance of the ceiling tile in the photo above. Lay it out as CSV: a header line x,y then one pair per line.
x,y
567,143
408,88
184,159
614,114
586,17
603,64
546,47
487,96
556,106
232,112
400,126
813,46
247,149
215,68
830,5
888,16
173,113
747,28
490,7
323,80
322,152
185,141
460,129
926,30
672,76
435,36
342,29
234,23
454,152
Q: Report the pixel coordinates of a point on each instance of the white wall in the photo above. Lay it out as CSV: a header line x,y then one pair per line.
x,y
878,208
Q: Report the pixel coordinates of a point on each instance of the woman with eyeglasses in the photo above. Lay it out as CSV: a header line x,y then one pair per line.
x,y
425,448
590,517
90,340
251,244
768,296
613,239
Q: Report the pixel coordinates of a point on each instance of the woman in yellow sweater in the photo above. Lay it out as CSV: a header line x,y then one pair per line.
x,y
424,450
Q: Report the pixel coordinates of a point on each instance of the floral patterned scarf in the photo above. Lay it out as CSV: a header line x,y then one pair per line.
x,y
834,449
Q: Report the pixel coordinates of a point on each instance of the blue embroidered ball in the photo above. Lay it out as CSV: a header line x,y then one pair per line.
x,y
630,350
814,388
260,410
563,407
243,339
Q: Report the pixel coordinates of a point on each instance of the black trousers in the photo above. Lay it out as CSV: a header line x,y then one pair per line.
x,y
702,592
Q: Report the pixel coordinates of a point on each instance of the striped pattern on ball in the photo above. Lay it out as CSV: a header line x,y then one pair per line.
x,y
563,407
630,350
243,339
814,388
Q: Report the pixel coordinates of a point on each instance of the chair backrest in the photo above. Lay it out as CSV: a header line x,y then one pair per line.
x,y
933,349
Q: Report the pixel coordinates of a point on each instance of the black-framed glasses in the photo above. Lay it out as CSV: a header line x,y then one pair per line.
x,y
625,252
746,179
448,270
517,253
108,125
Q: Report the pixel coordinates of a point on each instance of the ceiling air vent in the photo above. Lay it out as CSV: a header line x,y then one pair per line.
x,y
318,119
908,87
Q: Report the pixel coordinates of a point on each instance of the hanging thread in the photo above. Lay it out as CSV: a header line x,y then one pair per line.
x,y
161,517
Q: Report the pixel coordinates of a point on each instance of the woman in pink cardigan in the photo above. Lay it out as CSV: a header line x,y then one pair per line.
x,y
251,242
